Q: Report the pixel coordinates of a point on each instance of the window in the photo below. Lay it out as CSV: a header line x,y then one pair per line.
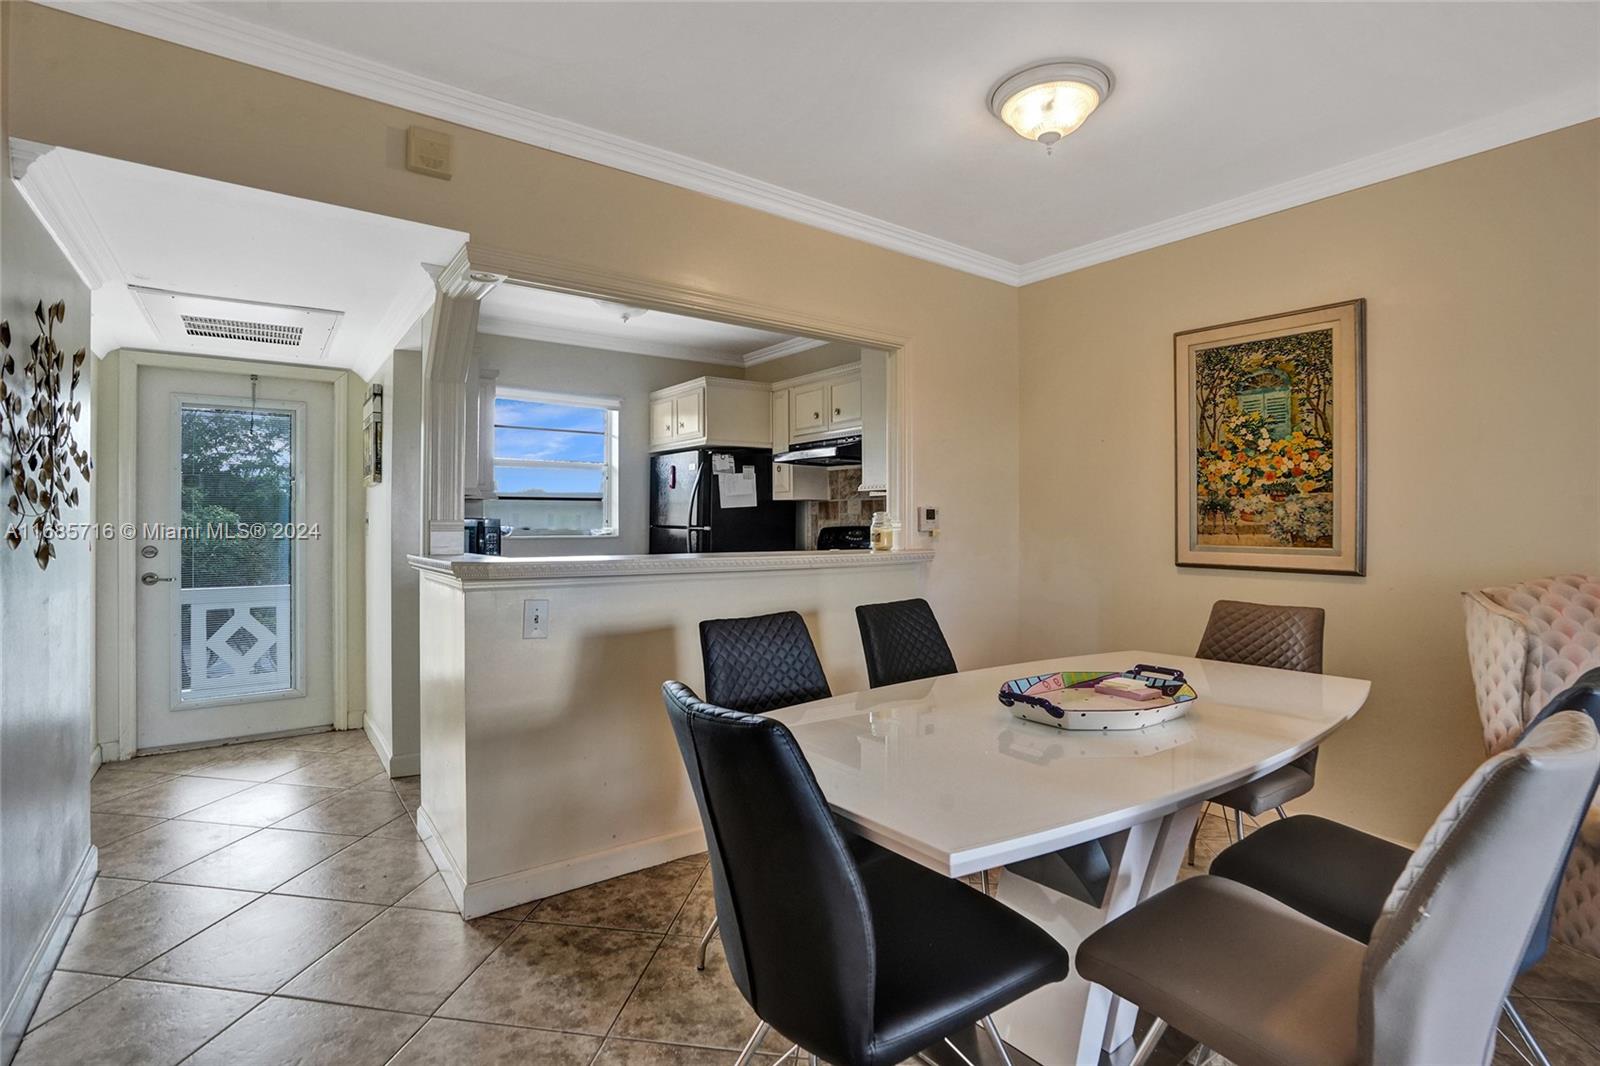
x,y
555,464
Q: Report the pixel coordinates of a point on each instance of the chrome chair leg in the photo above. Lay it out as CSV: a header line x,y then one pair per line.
x,y
748,1055
994,1034
1238,823
1526,1033
793,1052
705,943
1147,1046
1281,812
813,1059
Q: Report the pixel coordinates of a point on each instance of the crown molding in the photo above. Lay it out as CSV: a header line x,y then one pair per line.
x,y
221,34
777,351
55,198
213,31
409,304
1495,131
502,326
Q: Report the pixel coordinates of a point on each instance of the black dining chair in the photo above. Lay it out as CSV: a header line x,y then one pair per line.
x,y
757,664
902,641
863,963
1340,876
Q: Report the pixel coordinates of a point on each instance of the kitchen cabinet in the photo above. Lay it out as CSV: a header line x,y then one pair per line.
x,y
791,482
711,412
824,404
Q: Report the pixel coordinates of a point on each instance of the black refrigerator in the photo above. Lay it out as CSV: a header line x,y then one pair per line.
x,y
688,512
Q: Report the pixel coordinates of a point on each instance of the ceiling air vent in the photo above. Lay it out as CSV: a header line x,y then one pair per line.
x,y
214,326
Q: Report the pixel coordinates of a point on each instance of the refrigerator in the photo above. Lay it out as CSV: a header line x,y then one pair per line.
x,y
688,512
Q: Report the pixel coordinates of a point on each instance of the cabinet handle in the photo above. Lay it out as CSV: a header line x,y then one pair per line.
x,y
816,414
837,411
680,427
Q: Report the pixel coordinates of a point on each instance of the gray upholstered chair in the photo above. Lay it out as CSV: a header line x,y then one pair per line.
x,y
1265,985
1284,638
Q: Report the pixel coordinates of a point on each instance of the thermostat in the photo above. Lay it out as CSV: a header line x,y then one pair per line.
x,y
927,519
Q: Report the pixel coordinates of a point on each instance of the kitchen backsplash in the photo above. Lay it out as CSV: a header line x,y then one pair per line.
x,y
847,507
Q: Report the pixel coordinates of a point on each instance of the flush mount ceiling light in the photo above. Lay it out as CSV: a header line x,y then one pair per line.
x,y
623,311
1047,101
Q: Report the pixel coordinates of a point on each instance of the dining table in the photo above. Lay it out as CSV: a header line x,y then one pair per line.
x,y
1081,825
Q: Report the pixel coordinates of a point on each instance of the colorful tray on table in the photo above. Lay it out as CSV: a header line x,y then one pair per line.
x,y
1068,700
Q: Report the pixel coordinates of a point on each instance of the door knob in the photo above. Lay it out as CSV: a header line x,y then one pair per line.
x,y
149,577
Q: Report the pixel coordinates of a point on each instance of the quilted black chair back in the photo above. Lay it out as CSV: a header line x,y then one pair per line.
x,y
902,641
793,915
761,663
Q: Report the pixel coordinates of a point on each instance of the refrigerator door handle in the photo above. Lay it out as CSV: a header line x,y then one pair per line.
x,y
694,494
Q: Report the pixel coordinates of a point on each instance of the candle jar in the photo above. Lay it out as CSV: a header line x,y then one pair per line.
x,y
882,532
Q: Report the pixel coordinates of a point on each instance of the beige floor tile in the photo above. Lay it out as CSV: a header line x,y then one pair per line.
x,y
637,1053
126,933
105,828
378,782
259,947
163,848
431,895
515,914
446,1042
64,991
305,1033
254,763
108,785
1563,973
337,770
260,804
646,901
106,889
372,870
329,741
355,812
402,960
563,977
134,1023
168,799
174,762
678,1004
401,828
698,909
261,861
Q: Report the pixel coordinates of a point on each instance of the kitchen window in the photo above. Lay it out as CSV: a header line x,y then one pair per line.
x,y
555,464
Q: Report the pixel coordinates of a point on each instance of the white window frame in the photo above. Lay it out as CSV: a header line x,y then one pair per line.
x,y
612,405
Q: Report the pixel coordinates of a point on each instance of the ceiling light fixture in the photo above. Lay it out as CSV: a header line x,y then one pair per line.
x,y
1047,101
623,311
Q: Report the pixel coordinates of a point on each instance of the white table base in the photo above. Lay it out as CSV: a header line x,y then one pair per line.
x,y
1072,1021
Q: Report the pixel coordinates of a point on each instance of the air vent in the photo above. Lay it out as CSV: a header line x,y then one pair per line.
x,y
234,330
215,326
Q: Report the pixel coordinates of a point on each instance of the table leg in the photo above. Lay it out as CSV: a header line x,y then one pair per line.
x,y
1070,1022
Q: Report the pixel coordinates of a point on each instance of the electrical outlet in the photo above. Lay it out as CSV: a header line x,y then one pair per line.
x,y
535,619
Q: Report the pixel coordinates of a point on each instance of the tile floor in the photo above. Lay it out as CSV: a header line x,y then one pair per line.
x,y
270,903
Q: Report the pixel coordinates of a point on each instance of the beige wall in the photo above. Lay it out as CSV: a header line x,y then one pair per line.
x,y
85,85
1482,281
809,361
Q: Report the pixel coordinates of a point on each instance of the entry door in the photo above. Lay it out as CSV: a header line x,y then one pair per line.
x,y
234,513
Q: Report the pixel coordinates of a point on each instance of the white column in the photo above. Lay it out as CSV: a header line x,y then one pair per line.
x,y
447,364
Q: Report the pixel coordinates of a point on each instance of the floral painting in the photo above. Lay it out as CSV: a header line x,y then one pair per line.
x,y
1269,457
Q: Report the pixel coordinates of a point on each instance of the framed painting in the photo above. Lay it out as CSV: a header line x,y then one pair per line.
x,y
1271,442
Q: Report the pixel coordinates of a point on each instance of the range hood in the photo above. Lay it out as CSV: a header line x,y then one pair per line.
x,y
835,451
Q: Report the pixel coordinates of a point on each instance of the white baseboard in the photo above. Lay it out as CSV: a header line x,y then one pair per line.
x,y
45,956
95,759
408,764
538,882
110,751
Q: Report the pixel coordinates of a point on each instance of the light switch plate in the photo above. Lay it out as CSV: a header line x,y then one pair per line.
x,y
535,619
927,519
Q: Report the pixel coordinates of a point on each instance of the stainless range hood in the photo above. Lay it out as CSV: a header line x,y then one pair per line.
x,y
835,451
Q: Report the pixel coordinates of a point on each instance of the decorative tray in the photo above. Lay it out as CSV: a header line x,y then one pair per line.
x,y
1068,700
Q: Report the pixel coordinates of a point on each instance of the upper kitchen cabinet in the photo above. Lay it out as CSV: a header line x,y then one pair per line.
x,y
711,412
824,404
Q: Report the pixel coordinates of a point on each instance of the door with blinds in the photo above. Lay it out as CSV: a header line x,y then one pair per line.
x,y
234,542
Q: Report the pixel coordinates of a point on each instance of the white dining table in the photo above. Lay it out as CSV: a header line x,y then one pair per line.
x,y
941,773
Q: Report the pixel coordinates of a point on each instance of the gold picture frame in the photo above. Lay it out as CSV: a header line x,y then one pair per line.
x,y
1271,442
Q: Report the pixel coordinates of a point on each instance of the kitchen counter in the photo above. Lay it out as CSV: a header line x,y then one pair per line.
x,y
478,568
547,759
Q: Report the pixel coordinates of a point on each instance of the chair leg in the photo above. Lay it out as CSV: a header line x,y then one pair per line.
x,y
793,1052
705,943
1147,1046
994,1035
1281,812
749,1053
1526,1033
1238,822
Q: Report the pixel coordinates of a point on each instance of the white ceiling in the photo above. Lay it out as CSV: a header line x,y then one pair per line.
x,y
870,119
125,224
523,311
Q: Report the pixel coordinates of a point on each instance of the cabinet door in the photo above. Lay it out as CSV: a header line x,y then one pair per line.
x,y
663,426
782,481
690,408
809,408
844,402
